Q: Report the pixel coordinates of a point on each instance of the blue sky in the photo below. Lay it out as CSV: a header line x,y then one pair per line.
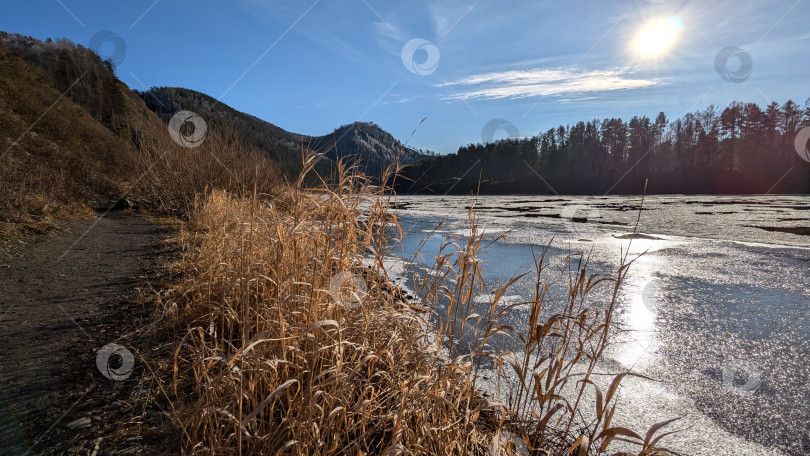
x,y
310,66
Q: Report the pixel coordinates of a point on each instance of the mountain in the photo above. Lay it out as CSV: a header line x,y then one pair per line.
x,y
90,82
373,147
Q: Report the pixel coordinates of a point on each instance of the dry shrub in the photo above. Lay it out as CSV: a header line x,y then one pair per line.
x,y
169,177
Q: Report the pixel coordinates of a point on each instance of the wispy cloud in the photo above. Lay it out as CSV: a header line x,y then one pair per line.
x,y
400,100
568,100
542,82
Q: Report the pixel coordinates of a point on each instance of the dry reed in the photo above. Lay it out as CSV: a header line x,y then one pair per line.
x,y
269,358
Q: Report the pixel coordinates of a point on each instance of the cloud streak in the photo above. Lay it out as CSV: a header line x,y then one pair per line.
x,y
541,82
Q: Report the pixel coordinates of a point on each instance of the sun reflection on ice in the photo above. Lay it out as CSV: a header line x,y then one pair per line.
x,y
642,297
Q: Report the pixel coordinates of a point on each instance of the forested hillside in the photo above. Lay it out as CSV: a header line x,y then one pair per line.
x,y
60,149
280,145
742,148
79,73
370,145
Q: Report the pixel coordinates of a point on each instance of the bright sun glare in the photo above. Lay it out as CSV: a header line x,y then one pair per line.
x,y
657,37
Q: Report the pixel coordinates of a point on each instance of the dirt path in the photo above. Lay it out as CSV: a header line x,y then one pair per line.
x,y
63,298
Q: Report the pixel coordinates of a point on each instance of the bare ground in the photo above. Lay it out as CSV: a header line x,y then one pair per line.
x,y
62,298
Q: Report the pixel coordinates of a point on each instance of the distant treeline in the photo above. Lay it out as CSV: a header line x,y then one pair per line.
x,y
741,149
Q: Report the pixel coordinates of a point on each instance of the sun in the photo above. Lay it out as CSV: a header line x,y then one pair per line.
x,y
657,37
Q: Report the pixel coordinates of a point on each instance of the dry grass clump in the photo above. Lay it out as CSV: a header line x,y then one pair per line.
x,y
272,356
272,362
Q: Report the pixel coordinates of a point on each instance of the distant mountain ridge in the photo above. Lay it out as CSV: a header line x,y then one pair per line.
x,y
374,148
89,81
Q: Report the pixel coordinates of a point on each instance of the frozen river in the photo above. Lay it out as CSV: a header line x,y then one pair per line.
x,y
717,310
